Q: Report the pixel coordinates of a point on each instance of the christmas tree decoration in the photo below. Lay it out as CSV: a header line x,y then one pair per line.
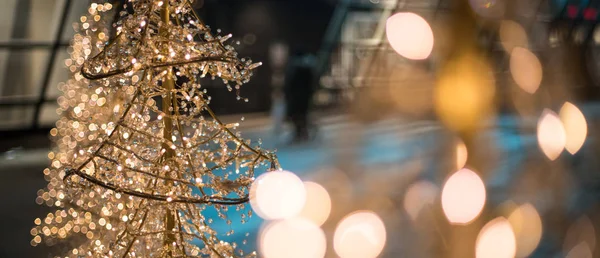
x,y
138,173
85,108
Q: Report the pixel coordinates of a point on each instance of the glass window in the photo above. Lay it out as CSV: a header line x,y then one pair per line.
x,y
35,20
16,117
60,74
48,115
22,71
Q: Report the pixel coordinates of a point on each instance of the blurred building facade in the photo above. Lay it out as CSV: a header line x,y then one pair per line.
x,y
35,36
348,35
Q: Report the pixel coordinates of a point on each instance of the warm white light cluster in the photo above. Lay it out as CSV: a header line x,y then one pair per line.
x,y
557,132
294,210
140,155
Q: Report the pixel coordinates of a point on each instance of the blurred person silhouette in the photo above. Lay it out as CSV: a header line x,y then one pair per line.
x,y
278,57
299,87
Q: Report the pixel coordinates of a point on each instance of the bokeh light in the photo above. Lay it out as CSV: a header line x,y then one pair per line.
x,y
582,250
488,8
575,127
527,226
461,154
360,234
418,196
292,238
409,35
512,35
463,196
277,195
318,203
581,231
464,93
496,240
551,134
526,69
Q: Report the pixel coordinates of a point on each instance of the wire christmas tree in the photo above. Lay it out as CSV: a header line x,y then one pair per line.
x,y
140,181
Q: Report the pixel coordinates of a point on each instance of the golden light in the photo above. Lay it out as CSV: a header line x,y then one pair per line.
x,y
526,69
488,8
512,35
582,231
582,250
496,240
461,154
277,195
318,203
107,101
463,197
360,234
575,127
551,134
527,226
292,238
409,35
418,196
463,96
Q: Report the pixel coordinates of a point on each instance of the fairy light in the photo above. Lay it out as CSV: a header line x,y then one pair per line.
x,y
134,175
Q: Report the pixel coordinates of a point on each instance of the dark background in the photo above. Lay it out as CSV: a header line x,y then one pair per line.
x,y
298,24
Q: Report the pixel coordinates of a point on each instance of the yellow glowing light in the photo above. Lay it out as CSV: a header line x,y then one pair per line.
x,y
461,154
582,250
360,234
463,196
488,8
277,195
418,196
409,35
318,203
527,226
551,134
464,92
575,127
512,35
525,69
496,240
292,238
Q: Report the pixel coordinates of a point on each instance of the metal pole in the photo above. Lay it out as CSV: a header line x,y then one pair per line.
x,y
168,84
